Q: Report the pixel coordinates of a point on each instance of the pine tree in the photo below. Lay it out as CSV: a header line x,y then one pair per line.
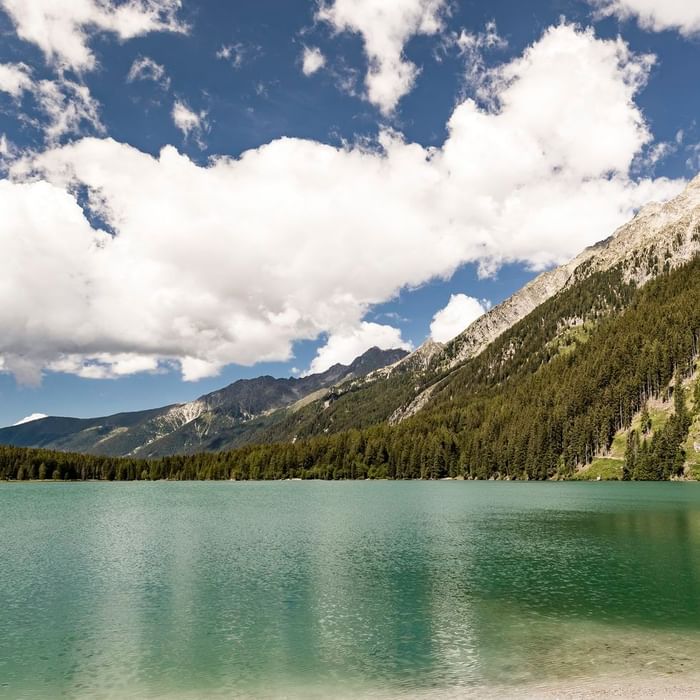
x,y
646,421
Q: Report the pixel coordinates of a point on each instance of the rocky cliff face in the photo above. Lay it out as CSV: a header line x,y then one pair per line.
x,y
659,238
488,327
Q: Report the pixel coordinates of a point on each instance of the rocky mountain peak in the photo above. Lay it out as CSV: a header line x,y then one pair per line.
x,y
662,235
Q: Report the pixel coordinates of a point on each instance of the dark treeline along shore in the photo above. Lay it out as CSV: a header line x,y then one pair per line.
x,y
538,403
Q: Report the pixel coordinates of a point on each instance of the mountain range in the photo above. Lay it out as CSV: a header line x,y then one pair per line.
x,y
545,384
211,422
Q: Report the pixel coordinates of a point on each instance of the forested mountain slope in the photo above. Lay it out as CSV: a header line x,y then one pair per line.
x,y
527,407
548,326
659,239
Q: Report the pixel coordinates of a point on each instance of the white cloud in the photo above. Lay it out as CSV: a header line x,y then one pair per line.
x,y
189,122
68,106
655,15
312,60
345,345
15,78
459,313
238,53
31,419
488,39
235,260
62,29
6,148
145,68
693,160
659,152
234,53
385,27
472,48
105,365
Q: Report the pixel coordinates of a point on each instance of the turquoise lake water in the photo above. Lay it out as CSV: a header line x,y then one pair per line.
x,y
376,589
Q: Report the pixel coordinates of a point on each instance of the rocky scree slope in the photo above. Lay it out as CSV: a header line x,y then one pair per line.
x,y
661,237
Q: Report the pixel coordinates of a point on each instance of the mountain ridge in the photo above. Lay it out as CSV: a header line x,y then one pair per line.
x,y
659,239
131,433
541,402
679,216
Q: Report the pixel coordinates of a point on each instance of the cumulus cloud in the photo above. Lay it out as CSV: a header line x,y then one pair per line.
x,y
15,78
385,27
62,30
145,68
236,260
344,346
189,122
31,419
312,60
655,15
459,313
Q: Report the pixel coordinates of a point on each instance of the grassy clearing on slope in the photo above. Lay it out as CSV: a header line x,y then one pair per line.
x,y
609,465
607,468
659,414
568,340
693,455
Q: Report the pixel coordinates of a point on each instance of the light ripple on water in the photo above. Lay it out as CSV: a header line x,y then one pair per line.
x,y
374,590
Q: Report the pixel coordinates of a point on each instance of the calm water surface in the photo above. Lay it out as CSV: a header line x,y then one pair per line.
x,y
318,589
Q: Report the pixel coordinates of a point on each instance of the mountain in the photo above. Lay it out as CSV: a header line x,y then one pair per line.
x,y
205,423
547,384
660,238
561,394
601,380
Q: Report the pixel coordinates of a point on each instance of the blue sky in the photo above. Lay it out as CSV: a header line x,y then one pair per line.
x,y
401,159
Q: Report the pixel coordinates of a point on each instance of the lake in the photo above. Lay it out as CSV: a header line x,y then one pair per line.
x,y
371,589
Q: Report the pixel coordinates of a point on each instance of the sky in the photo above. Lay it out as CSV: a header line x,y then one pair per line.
x,y
193,192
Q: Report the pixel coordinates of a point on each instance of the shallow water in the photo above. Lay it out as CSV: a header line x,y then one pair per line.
x,y
379,589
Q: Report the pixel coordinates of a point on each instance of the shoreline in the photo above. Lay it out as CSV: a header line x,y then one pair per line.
x,y
671,686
